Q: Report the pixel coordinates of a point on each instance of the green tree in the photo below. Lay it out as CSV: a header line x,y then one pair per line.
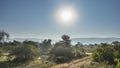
x,y
3,36
46,45
66,39
62,50
32,43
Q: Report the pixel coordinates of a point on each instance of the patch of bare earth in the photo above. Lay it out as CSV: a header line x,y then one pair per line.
x,y
74,64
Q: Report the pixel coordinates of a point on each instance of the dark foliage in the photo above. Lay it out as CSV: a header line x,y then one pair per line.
x,y
108,52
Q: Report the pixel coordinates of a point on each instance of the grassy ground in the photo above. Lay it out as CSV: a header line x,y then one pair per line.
x,y
96,65
37,63
85,62
3,58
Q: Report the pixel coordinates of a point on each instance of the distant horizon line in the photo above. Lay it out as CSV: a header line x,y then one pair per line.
x,y
52,38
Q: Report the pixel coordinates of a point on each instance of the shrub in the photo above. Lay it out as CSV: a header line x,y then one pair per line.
x,y
63,51
62,59
118,65
24,53
1,52
78,54
62,54
104,54
107,52
96,65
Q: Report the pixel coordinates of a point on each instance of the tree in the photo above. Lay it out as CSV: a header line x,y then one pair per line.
x,y
46,45
3,36
62,50
79,46
32,43
116,43
61,54
66,39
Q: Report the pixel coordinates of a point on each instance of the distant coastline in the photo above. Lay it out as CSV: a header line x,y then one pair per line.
x,y
74,40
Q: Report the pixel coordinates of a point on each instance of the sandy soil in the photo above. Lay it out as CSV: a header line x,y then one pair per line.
x,y
73,64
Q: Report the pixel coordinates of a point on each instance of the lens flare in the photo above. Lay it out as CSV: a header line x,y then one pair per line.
x,y
66,16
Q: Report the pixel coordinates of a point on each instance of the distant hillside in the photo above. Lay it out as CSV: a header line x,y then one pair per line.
x,y
94,40
30,39
23,39
74,40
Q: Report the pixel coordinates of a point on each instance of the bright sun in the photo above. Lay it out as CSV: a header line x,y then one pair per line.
x,y
66,16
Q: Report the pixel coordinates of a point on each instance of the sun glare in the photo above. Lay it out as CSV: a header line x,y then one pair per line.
x,y
66,16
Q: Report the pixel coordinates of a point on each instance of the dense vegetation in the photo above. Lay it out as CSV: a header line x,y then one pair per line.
x,y
109,53
45,54
17,53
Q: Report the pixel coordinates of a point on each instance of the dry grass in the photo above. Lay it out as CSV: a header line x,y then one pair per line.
x,y
37,64
73,64
97,65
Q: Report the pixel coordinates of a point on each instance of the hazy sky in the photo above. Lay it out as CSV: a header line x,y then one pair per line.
x,y
36,18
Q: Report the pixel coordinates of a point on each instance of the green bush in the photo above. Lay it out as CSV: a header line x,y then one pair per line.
x,y
25,52
104,54
1,52
62,59
118,65
107,52
45,65
78,54
96,65
62,54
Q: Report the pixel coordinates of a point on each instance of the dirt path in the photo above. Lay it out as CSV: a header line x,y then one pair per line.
x,y
74,64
